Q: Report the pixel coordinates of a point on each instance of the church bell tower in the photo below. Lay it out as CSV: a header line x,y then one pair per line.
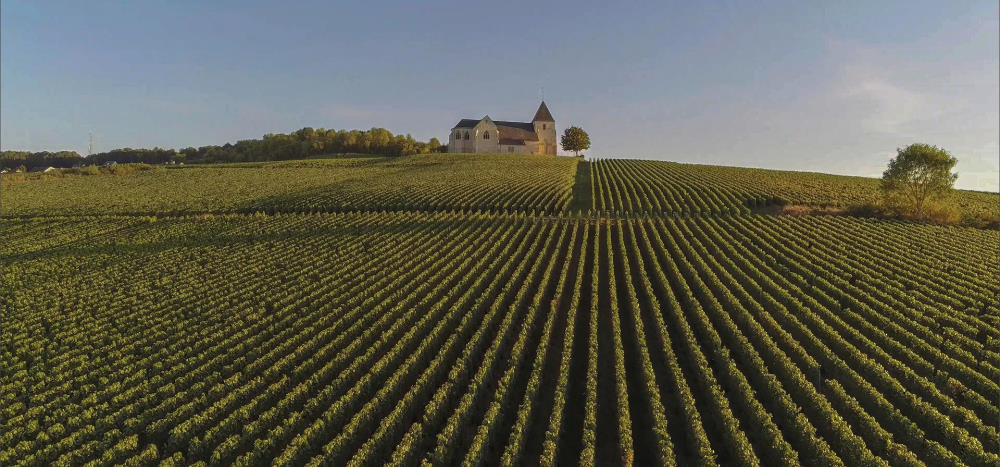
x,y
545,128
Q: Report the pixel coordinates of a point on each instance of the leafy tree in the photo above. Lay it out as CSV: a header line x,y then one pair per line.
x,y
305,142
379,140
434,145
575,139
13,159
918,173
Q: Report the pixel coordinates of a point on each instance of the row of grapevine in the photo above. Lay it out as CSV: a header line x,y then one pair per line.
x,y
872,365
491,338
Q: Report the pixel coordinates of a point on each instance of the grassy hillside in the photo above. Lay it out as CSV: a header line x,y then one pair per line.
x,y
667,187
447,181
433,182
455,316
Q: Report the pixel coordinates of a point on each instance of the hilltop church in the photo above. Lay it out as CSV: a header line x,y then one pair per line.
x,y
493,136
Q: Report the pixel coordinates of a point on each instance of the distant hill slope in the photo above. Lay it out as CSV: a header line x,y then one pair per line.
x,y
447,182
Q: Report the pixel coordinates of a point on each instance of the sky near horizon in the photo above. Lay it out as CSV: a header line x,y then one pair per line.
x,y
812,86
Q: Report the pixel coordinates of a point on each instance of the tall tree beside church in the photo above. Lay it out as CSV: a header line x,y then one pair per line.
x,y
575,139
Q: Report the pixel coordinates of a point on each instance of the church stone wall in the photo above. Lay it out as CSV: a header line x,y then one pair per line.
x,y
546,132
513,149
487,137
458,143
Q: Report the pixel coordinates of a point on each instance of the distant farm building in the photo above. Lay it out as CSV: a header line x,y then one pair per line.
x,y
494,136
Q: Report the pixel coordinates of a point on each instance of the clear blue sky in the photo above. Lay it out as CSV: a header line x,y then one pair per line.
x,y
792,85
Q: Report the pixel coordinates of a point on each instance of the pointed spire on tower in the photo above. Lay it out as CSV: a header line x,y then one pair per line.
x,y
543,114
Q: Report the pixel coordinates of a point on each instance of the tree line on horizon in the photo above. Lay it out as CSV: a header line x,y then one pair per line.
x,y
306,142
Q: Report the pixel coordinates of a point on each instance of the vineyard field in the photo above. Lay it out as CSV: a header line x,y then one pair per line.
x,y
443,182
432,182
370,312
449,336
668,187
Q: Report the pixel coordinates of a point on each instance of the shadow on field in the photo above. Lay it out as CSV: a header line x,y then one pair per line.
x,y
129,242
582,189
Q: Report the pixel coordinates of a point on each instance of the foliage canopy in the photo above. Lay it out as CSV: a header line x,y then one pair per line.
x,y
575,139
919,173
304,143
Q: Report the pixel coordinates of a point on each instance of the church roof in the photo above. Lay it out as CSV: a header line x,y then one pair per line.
x,y
526,126
513,132
516,131
467,123
510,132
543,114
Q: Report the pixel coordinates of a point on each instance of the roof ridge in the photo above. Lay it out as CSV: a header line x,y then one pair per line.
x,y
543,114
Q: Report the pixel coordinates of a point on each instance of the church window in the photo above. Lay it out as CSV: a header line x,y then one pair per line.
x,y
544,125
466,135
486,135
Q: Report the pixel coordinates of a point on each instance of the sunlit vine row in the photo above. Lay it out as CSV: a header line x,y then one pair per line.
x,y
497,338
